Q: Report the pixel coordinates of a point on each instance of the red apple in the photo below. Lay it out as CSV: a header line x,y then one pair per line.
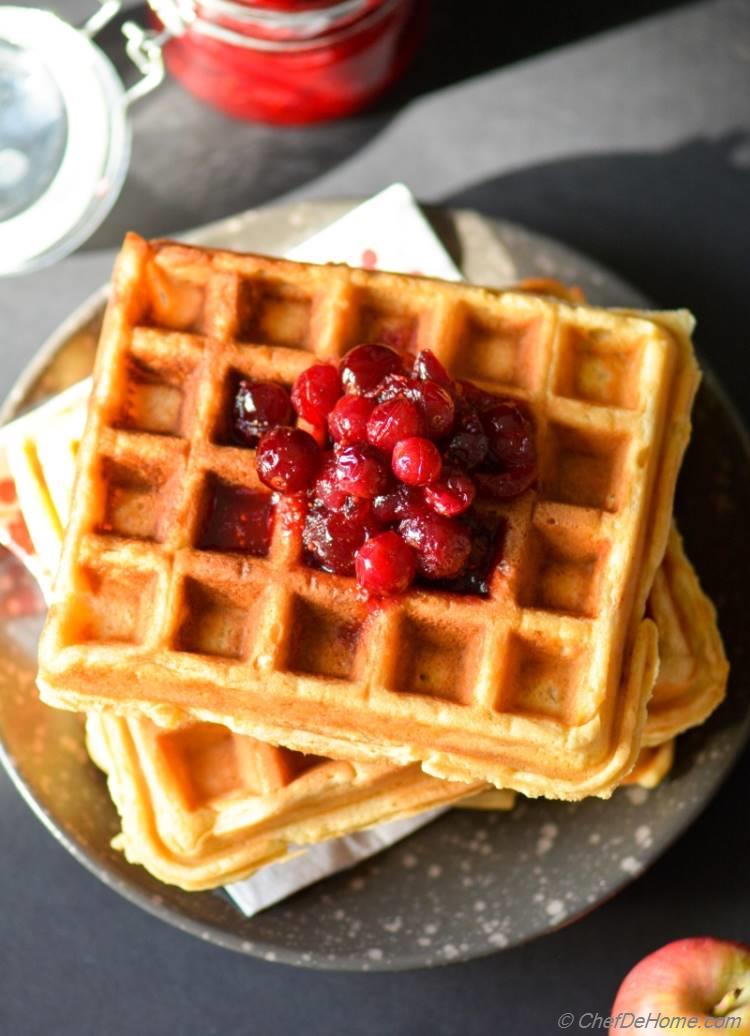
x,y
705,979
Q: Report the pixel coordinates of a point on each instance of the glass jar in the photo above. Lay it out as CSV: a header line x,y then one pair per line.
x,y
290,62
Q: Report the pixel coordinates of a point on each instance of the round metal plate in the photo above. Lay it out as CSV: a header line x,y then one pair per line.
x,y
468,884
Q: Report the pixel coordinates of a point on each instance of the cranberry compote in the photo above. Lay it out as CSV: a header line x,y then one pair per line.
x,y
510,466
385,565
452,494
394,420
442,544
416,461
361,470
287,459
257,407
237,520
315,393
332,538
347,422
401,481
364,367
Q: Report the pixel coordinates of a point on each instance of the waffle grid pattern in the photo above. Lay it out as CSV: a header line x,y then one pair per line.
x,y
194,800
535,665
201,806
41,451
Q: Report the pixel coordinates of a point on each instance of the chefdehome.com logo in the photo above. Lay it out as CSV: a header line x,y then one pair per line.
x,y
627,1021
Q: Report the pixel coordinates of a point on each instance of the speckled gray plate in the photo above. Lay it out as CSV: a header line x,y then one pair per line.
x,y
470,883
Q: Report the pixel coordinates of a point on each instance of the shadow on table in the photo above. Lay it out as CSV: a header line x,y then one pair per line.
x,y
674,223
193,165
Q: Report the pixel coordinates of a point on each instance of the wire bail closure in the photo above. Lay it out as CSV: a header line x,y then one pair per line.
x,y
143,46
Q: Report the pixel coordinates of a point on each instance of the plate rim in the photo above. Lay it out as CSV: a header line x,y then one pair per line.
x,y
13,405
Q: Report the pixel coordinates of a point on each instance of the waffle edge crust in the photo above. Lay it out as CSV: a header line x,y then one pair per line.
x,y
542,687
196,815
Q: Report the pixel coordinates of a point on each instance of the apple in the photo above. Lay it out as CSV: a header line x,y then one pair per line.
x,y
703,979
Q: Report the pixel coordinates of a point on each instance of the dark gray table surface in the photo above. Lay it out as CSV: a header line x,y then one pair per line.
x,y
633,145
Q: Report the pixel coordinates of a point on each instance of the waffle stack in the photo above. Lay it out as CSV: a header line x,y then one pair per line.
x,y
201,806
541,687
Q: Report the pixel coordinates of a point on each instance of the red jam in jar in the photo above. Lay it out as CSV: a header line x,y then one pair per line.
x,y
289,62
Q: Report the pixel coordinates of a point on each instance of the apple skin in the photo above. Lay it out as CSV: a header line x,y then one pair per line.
x,y
699,978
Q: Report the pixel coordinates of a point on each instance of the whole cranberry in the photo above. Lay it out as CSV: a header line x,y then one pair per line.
x,y
365,366
437,406
332,538
468,445
325,489
394,420
391,386
452,494
257,407
416,461
442,544
509,431
466,450
287,459
474,396
504,485
361,471
347,422
385,565
511,465
315,392
402,502
427,367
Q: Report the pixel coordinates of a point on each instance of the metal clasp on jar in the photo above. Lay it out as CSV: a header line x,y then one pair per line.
x,y
143,46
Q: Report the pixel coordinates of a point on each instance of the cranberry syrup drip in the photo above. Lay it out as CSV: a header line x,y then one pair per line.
x,y
397,476
238,520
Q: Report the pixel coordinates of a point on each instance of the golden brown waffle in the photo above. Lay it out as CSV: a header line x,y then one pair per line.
x,y
196,801
693,667
542,687
172,789
201,806
653,765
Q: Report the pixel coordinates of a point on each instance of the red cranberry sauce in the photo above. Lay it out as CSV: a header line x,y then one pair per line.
x,y
287,459
394,479
257,407
237,520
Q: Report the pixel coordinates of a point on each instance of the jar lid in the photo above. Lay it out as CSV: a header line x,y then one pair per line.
x,y
64,138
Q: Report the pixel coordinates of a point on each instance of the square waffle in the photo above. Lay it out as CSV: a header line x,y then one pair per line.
x,y
200,805
693,667
542,686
